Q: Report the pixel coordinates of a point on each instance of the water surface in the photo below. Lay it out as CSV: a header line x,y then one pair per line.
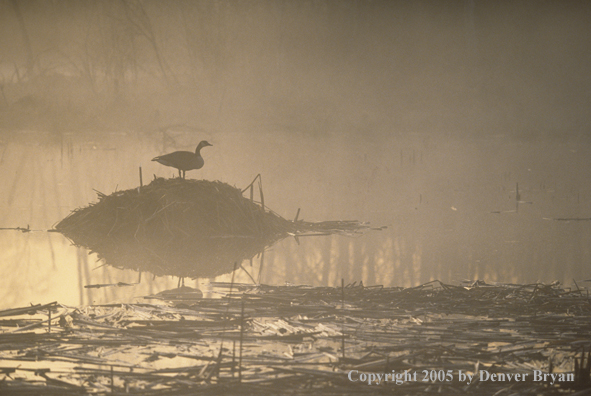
x,y
456,208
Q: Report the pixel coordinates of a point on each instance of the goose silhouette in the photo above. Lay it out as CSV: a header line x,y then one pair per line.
x,y
184,160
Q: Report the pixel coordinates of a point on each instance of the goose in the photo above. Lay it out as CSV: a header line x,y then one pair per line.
x,y
184,160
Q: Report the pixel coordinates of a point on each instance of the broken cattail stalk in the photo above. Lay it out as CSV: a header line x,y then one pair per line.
x,y
241,340
343,308
261,193
233,369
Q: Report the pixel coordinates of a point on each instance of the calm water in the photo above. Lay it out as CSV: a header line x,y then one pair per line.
x,y
450,206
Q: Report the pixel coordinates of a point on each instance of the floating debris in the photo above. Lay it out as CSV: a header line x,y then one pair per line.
x,y
290,338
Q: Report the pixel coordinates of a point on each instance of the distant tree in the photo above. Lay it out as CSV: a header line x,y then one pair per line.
x,y
26,41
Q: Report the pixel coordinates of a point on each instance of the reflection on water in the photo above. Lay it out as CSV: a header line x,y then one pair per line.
x,y
450,206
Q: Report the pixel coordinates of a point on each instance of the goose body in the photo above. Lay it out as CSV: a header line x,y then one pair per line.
x,y
184,160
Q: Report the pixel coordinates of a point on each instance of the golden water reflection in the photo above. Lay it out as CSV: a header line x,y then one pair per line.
x,y
450,206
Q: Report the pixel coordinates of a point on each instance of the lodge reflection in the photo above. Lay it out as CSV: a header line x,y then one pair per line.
x,y
197,258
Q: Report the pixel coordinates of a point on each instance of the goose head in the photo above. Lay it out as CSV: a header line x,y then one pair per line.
x,y
203,143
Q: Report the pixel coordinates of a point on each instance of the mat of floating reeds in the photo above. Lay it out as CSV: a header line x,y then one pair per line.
x,y
184,228
289,339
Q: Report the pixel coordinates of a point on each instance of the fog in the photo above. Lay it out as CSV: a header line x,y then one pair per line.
x,y
462,126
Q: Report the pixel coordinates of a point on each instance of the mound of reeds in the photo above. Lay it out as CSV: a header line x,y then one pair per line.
x,y
185,228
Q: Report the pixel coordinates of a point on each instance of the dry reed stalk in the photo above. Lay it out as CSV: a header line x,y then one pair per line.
x,y
434,326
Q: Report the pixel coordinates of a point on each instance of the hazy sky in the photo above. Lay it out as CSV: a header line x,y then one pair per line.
x,y
459,66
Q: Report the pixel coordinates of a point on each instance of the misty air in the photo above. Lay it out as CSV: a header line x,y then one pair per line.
x,y
244,196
